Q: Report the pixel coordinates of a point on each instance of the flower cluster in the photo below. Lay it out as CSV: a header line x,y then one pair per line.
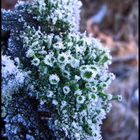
x,y
57,14
68,70
73,77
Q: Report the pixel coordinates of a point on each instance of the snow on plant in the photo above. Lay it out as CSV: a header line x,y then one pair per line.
x,y
12,79
75,82
68,70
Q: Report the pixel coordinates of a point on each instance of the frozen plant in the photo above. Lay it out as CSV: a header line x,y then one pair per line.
x,y
13,79
67,71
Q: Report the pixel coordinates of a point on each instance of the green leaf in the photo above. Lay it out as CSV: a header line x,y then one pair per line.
x,y
87,129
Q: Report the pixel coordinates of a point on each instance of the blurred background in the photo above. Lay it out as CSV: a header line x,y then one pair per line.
x,y
115,24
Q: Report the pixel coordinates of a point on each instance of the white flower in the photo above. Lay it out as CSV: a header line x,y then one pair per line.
x,y
66,89
35,62
62,58
54,79
88,85
88,75
93,97
49,60
80,99
94,89
66,74
119,97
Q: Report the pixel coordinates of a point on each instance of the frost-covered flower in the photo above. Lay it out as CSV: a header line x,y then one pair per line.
x,y
62,58
119,97
93,97
35,62
66,89
54,79
88,75
49,60
80,99
88,85
94,89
